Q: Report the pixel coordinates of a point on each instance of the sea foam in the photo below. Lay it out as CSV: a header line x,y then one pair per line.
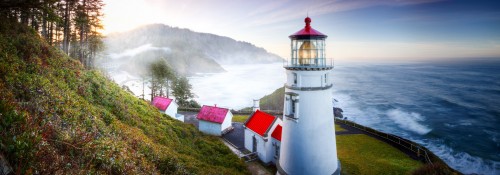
x,y
462,161
408,120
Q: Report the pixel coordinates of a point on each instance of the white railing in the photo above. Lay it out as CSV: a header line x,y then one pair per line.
x,y
312,62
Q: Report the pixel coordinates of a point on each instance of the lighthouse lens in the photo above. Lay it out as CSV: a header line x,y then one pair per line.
x,y
307,53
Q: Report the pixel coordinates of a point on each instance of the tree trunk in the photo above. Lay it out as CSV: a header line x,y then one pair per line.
x,y
51,33
82,39
44,26
143,88
66,32
168,89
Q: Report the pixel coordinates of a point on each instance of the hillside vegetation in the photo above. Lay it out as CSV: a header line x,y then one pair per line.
x,y
58,118
273,101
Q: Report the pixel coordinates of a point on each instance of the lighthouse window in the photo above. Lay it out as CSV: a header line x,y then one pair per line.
x,y
294,78
291,105
325,78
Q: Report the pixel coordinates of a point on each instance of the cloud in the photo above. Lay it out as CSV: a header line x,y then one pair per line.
x,y
281,11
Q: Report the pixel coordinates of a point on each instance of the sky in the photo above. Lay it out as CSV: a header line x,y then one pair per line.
x,y
356,29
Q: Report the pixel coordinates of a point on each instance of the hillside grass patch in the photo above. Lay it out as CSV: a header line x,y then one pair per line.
x,y
362,154
338,128
240,118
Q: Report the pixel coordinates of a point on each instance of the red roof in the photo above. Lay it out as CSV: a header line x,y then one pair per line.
x,y
307,32
212,114
260,122
161,103
277,133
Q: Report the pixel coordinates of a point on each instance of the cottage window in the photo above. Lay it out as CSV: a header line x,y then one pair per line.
x,y
277,151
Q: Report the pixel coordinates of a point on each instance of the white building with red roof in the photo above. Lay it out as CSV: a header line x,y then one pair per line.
x,y
167,106
214,120
263,136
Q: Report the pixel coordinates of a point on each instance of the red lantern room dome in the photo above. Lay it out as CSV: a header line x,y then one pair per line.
x,y
307,32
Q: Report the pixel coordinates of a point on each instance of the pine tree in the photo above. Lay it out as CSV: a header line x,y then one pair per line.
x,y
182,92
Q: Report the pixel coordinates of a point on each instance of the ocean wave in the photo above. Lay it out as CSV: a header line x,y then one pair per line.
x,y
408,120
493,136
462,161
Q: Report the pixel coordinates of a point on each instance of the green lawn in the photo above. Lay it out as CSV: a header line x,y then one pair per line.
x,y
362,154
240,118
338,128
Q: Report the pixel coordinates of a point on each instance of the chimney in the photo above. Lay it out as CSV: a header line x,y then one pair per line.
x,y
256,105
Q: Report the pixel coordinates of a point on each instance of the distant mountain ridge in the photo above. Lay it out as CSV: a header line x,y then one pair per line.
x,y
187,51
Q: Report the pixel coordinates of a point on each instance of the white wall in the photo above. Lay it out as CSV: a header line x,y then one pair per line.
x,y
308,144
309,78
227,121
276,144
210,127
179,117
264,148
172,109
248,139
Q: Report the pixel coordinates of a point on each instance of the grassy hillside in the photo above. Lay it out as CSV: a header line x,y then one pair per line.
x,y
57,118
273,101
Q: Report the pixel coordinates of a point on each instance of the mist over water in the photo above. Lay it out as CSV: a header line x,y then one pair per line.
x,y
239,85
450,108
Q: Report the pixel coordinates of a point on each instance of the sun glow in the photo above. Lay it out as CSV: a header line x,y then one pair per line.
x,y
122,16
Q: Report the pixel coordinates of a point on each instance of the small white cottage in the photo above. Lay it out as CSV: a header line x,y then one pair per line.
x,y
214,120
263,136
167,106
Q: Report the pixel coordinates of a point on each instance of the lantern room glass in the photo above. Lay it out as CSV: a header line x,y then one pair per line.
x,y
308,52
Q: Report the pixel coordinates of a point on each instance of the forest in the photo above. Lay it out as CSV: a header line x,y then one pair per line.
x,y
74,26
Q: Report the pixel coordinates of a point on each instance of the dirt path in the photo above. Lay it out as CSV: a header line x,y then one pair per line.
x,y
257,169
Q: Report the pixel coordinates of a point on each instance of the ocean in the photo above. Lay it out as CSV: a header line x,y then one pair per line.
x,y
452,108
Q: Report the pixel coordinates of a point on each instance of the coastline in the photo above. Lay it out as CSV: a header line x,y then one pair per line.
x,y
412,149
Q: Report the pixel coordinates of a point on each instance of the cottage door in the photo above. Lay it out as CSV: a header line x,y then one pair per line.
x,y
254,145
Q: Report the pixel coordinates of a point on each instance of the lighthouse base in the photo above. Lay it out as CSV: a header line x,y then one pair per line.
x,y
283,172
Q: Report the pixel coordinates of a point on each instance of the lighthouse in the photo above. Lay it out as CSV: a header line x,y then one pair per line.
x,y
308,143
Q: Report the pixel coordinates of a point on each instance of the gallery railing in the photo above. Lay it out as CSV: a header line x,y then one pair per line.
x,y
308,63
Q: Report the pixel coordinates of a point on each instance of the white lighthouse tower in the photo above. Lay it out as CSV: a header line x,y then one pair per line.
x,y
308,143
